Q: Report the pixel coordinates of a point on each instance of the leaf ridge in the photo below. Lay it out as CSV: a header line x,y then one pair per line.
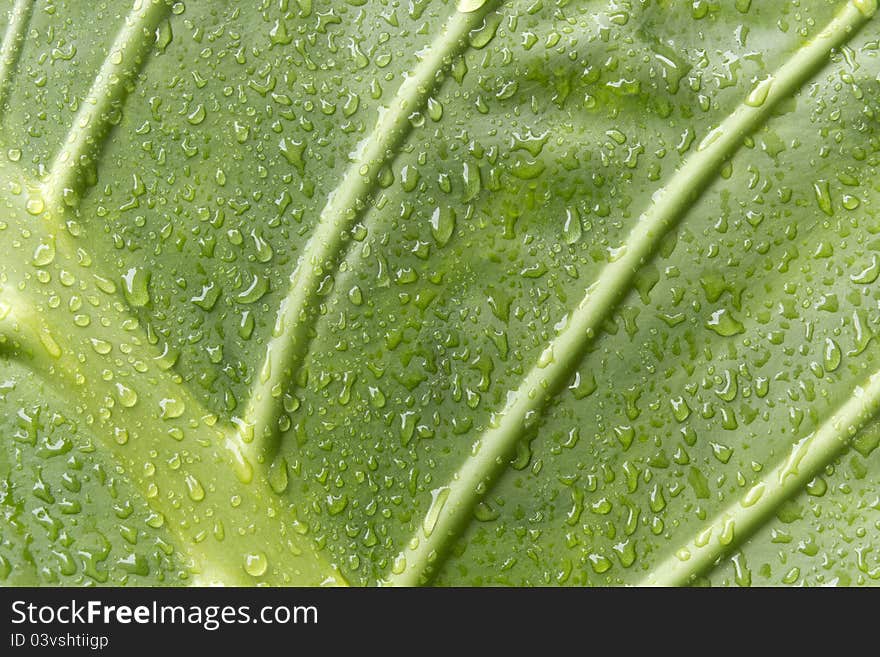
x,y
13,39
93,121
454,502
806,458
296,316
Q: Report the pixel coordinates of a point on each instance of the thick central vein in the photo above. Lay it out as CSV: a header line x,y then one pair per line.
x,y
294,324
492,450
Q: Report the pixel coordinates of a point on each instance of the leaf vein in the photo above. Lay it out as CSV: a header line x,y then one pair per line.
x,y
492,450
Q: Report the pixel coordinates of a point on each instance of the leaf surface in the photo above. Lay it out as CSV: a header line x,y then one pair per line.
x,y
525,293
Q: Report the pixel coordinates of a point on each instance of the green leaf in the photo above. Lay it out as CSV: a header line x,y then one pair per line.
x,y
529,293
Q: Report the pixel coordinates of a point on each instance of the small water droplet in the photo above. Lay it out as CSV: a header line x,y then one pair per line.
x,y
35,206
256,564
442,225
49,344
728,531
197,115
100,346
755,493
171,408
759,94
832,355
44,254
120,435
572,228
135,286
867,7
823,197
127,396
467,6
194,488
438,501
724,324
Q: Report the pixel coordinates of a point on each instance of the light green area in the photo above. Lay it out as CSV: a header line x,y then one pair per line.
x,y
295,293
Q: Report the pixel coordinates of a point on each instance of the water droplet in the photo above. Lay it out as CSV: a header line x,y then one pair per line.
x,y
194,489
680,408
599,563
438,501
823,197
246,325
135,286
399,564
120,435
759,94
336,504
127,397
435,109
255,291
409,178
264,249
292,151
572,228
278,479
207,297
867,7
164,35
832,355
546,357
242,132
467,6
817,487
49,344
869,274
197,115
35,206
44,254
753,495
278,33
742,574
100,346
377,397
171,408
724,324
721,452
256,564
442,225
728,530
